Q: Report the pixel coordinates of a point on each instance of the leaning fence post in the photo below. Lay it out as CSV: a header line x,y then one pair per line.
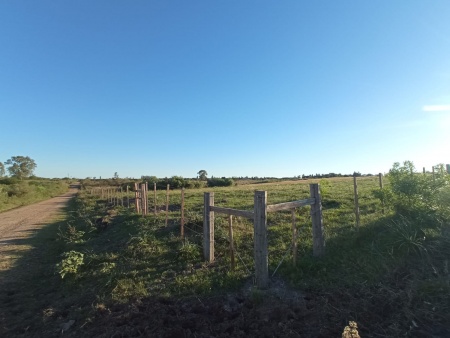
x,y
317,221
208,227
260,240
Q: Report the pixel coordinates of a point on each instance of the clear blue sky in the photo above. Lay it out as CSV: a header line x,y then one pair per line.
x,y
257,88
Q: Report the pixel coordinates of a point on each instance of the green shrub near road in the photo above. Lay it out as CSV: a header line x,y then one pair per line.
x,y
15,192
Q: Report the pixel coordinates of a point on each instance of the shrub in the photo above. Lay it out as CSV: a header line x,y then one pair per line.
x,y
415,195
70,263
220,182
18,189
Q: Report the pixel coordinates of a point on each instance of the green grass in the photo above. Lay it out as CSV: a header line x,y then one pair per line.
x,y
384,266
151,240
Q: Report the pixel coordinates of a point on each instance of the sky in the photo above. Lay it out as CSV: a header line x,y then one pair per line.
x,y
236,88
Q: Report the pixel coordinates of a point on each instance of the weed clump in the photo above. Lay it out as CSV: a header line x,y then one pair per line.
x,y
351,331
70,263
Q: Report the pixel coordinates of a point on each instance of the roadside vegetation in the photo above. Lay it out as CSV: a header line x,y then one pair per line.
x,y
114,272
22,188
15,192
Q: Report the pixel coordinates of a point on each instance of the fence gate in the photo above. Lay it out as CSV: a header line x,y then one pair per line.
x,y
259,216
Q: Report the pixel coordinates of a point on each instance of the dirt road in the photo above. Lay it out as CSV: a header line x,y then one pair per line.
x,y
19,224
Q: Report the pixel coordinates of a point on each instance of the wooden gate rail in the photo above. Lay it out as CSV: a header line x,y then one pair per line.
x,y
233,212
290,205
259,216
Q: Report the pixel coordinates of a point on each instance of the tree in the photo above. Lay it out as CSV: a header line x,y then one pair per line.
x,y
116,175
21,166
202,175
2,169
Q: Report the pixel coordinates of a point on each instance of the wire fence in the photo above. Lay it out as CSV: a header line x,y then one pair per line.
x,y
183,209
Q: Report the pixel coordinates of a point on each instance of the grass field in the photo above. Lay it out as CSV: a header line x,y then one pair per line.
x,y
383,274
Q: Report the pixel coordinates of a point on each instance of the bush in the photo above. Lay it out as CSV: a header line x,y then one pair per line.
x,y
18,189
195,184
220,182
417,196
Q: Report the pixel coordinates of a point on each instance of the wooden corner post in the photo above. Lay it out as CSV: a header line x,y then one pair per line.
x,y
317,222
208,227
260,240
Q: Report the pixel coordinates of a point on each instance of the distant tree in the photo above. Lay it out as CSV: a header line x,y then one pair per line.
x,y
202,175
2,169
116,175
21,166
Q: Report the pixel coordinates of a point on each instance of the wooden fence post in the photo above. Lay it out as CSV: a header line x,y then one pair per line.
x,y
294,238
230,232
136,197
317,221
167,204
144,198
208,227
154,193
355,188
260,240
128,198
182,215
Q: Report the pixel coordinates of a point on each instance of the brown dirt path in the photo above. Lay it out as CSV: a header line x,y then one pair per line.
x,y
19,224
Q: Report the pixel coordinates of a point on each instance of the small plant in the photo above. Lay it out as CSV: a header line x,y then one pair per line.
x,y
407,237
188,252
71,234
107,267
351,331
144,244
72,260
